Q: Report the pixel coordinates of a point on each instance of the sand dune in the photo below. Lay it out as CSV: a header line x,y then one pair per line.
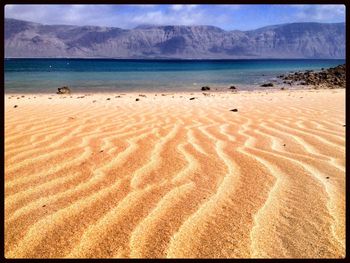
x,y
169,177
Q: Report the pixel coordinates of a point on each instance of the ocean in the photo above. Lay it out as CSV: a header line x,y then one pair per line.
x,y
112,75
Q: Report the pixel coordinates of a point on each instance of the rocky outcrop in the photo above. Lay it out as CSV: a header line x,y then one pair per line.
x,y
332,77
296,40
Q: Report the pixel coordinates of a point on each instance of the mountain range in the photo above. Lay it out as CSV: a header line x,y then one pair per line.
x,y
25,39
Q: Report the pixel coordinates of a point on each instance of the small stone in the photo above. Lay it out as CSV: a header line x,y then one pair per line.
x,y
327,177
63,90
232,87
137,99
234,110
205,88
267,85
192,98
44,205
108,99
101,151
15,106
284,144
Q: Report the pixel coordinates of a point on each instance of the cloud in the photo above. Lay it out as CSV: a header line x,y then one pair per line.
x,y
225,16
163,18
57,14
182,7
320,13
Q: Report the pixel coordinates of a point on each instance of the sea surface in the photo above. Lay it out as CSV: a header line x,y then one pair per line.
x,y
106,75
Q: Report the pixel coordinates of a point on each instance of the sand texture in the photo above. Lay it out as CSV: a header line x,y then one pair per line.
x,y
170,177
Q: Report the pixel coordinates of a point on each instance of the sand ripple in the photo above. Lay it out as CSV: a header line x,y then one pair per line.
x,y
169,177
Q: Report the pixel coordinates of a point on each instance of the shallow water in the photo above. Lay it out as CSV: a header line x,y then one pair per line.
x,y
97,75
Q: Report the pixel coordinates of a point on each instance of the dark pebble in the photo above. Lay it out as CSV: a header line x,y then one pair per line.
x,y
137,99
327,177
108,98
234,110
192,98
15,106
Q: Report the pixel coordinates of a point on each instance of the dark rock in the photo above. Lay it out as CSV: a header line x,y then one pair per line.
x,y
192,98
284,144
234,110
267,85
64,90
332,77
108,99
15,106
232,87
137,99
282,88
205,88
327,177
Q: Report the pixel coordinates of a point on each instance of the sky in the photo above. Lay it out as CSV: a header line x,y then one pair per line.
x,y
228,17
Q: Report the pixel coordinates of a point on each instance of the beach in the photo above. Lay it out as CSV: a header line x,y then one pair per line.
x,y
247,174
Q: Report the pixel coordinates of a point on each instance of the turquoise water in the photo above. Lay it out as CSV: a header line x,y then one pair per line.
x,y
91,75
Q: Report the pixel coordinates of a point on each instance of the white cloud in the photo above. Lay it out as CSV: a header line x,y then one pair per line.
x,y
182,7
162,18
320,13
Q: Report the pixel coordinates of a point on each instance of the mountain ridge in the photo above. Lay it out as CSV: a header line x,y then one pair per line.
x,y
294,40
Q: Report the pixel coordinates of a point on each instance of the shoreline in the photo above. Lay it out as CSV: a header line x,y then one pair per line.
x,y
213,90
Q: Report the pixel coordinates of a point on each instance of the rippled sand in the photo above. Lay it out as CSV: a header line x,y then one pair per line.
x,y
171,177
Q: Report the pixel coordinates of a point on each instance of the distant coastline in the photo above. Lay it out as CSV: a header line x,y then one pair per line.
x,y
307,40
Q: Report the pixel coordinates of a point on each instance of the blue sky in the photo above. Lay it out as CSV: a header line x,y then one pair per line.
x,y
228,17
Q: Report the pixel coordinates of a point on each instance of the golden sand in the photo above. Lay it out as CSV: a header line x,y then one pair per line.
x,y
87,177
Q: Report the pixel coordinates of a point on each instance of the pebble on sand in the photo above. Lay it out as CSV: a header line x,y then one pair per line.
x,y
234,110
